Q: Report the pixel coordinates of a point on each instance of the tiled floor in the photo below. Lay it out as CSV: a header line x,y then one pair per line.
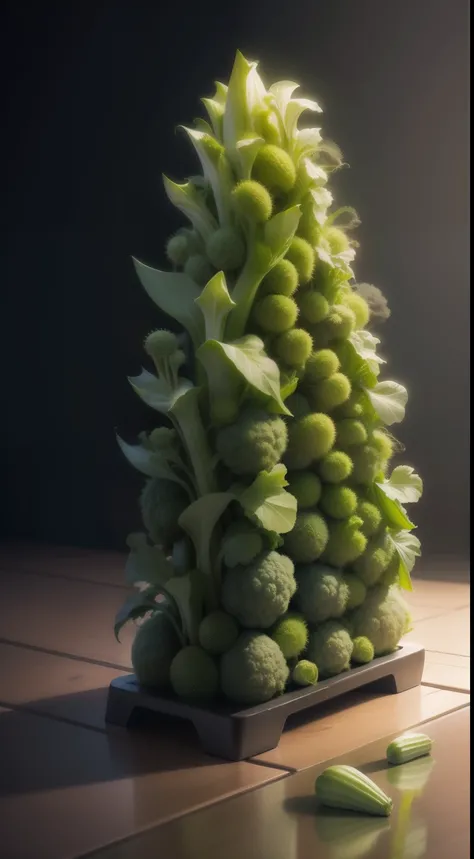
x,y
69,785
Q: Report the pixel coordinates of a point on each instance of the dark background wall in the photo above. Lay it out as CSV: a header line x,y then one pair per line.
x,y
92,96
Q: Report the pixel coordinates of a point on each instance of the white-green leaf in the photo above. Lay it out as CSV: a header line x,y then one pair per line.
x,y
150,463
282,92
404,485
247,149
295,107
190,202
215,304
392,510
307,142
135,607
365,345
355,366
188,592
175,294
210,153
215,111
236,122
156,393
280,230
199,521
408,548
147,564
389,400
267,501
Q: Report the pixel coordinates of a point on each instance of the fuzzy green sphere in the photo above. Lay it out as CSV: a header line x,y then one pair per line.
x,y
161,504
218,631
255,442
274,168
293,347
154,647
346,542
339,502
350,431
340,322
338,241
282,279
390,576
226,249
301,254
330,648
298,405
357,591
313,306
321,365
259,593
161,344
335,467
305,673
359,307
310,438
366,462
375,560
177,249
275,313
308,539
194,674
329,393
383,444
251,201
254,670
371,517
322,592
291,635
306,487
354,407
383,618
199,269
363,650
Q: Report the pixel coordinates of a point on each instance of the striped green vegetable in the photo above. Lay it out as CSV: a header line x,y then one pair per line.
x,y
345,787
408,747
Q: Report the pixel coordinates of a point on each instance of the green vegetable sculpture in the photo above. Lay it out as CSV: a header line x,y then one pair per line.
x,y
276,537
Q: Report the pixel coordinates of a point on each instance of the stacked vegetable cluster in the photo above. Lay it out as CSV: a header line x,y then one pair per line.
x,y
276,539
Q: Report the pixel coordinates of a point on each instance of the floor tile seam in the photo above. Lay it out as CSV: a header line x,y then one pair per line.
x,y
63,578
88,660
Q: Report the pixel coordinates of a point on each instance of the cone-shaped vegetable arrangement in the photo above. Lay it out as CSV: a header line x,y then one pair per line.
x,y
276,541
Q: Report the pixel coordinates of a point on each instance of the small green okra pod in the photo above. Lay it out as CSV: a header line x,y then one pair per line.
x,y
408,747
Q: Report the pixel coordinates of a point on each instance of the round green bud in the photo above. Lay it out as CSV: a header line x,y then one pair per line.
x,y
293,347
339,502
266,125
310,438
177,249
313,306
340,322
198,269
375,560
306,488
275,313
363,651
329,393
194,240
357,591
226,249
301,254
354,407
305,673
346,543
298,405
274,168
390,576
335,467
161,344
154,647
383,444
282,279
251,201
218,631
308,539
337,239
366,462
194,674
350,432
359,307
224,411
321,365
291,635
371,517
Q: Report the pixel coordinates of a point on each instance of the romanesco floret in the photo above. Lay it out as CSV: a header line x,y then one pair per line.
x,y
322,592
330,647
383,618
375,560
308,539
241,543
291,634
254,443
254,670
154,647
161,504
257,595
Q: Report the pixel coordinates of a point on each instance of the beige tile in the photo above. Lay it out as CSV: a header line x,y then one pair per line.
x,y
63,561
438,594
64,616
355,720
447,671
55,685
67,790
448,633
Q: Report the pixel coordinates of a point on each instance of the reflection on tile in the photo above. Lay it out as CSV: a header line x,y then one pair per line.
x,y
67,790
447,671
64,561
439,594
449,633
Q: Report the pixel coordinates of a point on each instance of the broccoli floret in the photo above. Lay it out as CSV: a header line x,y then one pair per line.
x,y
154,647
357,591
375,560
346,542
308,539
194,674
322,592
217,632
363,650
254,670
241,543
305,673
291,635
161,504
254,443
330,647
257,595
383,618
310,438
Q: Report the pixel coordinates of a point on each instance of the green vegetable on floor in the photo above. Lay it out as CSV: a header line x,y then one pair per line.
x,y
408,747
342,786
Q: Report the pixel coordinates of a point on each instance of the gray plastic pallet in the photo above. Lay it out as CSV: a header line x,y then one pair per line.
x,y
236,734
